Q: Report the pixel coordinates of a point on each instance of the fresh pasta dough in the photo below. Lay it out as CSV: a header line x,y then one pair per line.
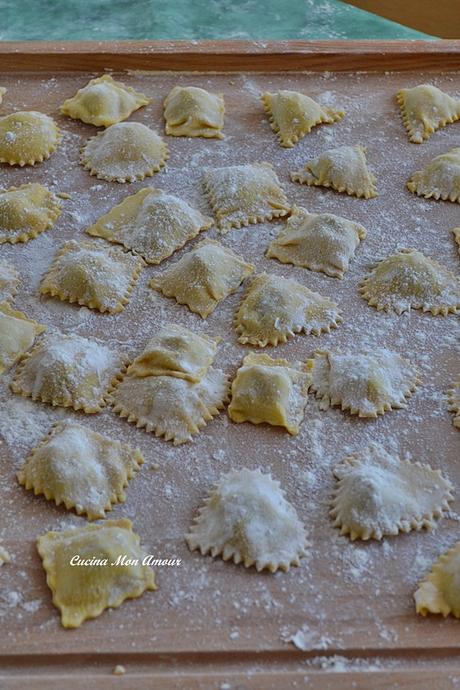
x,y
80,468
409,279
241,195
175,351
68,371
440,179
276,308
17,335
152,223
379,494
453,396
125,152
97,277
27,211
103,102
193,112
81,592
318,241
9,281
27,138
343,169
293,115
272,391
171,389
365,383
171,407
439,592
424,109
203,277
247,519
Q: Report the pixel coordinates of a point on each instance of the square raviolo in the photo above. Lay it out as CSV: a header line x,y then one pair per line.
x,y
318,241
27,211
95,276
203,277
193,112
293,115
343,169
81,592
103,102
245,194
276,308
175,351
365,383
247,518
439,179
171,389
424,109
68,371
270,390
152,223
80,468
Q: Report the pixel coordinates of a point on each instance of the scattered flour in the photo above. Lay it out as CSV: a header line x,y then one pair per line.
x,y
336,587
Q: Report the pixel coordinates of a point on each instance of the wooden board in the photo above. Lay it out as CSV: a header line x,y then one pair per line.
x,y
441,18
211,624
225,56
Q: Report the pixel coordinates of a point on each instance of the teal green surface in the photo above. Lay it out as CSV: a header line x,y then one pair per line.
x,y
192,19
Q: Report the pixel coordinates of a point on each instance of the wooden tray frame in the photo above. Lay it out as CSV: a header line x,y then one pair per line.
x,y
227,56
184,670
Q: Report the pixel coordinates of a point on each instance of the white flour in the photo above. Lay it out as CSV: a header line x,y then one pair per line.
x,y
343,594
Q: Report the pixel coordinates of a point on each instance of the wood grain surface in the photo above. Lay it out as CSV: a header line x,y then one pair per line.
x,y
440,18
358,616
224,56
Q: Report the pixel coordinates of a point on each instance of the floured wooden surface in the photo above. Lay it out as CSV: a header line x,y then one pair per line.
x,y
345,595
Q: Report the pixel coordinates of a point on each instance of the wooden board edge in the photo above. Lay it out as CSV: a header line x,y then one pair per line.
x,y
207,661
314,679
228,56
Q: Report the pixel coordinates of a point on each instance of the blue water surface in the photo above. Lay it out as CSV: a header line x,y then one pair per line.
x,y
37,20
